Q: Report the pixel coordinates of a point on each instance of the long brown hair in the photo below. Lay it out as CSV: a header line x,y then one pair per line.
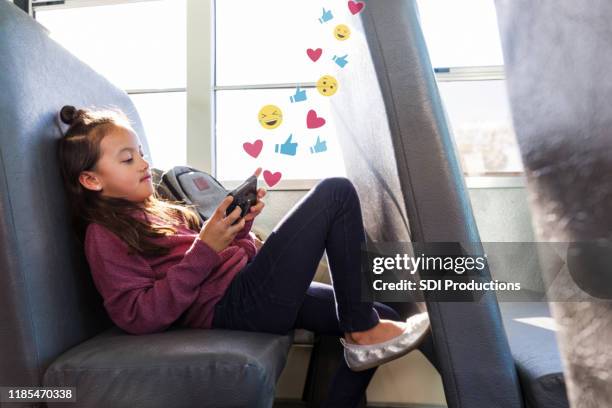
x,y
79,150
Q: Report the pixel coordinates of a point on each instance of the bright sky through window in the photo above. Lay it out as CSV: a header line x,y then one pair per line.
x,y
135,45
461,33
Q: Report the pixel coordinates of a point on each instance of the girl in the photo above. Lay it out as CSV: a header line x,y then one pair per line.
x,y
156,266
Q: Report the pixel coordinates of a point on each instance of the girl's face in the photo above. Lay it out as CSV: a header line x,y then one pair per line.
x,y
121,169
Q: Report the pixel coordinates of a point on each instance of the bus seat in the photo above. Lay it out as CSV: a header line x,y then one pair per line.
x,y
557,63
53,328
401,156
532,336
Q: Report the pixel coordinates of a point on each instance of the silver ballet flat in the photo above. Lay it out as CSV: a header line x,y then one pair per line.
x,y
362,357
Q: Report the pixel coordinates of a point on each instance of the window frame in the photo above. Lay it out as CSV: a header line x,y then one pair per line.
x,y
442,74
201,90
474,73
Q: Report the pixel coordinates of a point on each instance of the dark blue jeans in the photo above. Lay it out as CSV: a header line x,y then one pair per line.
x,y
275,293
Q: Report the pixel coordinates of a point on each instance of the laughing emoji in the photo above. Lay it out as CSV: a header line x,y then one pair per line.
x,y
342,32
270,116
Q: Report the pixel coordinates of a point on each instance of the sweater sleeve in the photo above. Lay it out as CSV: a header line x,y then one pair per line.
x,y
136,301
247,244
244,232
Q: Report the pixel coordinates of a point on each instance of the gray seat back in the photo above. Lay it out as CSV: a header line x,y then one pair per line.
x,y
558,76
400,154
47,300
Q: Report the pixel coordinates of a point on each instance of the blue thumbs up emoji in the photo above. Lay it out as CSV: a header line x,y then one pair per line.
x,y
300,95
319,146
327,15
286,148
341,61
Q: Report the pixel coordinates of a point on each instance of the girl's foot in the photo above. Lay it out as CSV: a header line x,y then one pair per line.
x,y
383,331
361,357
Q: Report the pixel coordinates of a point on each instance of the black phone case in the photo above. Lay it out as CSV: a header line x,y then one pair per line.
x,y
245,196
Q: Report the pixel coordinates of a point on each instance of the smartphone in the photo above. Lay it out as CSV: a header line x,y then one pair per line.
x,y
245,196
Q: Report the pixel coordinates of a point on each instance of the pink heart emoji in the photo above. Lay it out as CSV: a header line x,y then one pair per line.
x,y
254,148
355,7
313,121
314,54
271,178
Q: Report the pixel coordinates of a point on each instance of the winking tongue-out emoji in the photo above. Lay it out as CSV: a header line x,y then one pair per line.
x,y
342,32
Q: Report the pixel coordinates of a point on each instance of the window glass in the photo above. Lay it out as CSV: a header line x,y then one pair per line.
x,y
135,45
264,45
265,42
479,114
164,120
237,124
461,33
140,45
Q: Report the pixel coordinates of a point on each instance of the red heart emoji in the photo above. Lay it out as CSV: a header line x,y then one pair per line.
x,y
254,148
313,121
314,54
271,178
355,6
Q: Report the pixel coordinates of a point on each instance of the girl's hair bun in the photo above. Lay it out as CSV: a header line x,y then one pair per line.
x,y
68,114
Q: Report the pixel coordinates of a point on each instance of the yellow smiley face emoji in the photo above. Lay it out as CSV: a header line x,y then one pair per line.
x,y
342,32
270,116
327,85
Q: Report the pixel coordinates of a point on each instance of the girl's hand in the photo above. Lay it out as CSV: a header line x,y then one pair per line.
x,y
255,210
218,232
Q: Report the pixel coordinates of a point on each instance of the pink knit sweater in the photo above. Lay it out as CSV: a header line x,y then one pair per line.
x,y
146,295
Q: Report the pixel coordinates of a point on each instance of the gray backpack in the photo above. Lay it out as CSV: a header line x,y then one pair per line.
x,y
190,186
